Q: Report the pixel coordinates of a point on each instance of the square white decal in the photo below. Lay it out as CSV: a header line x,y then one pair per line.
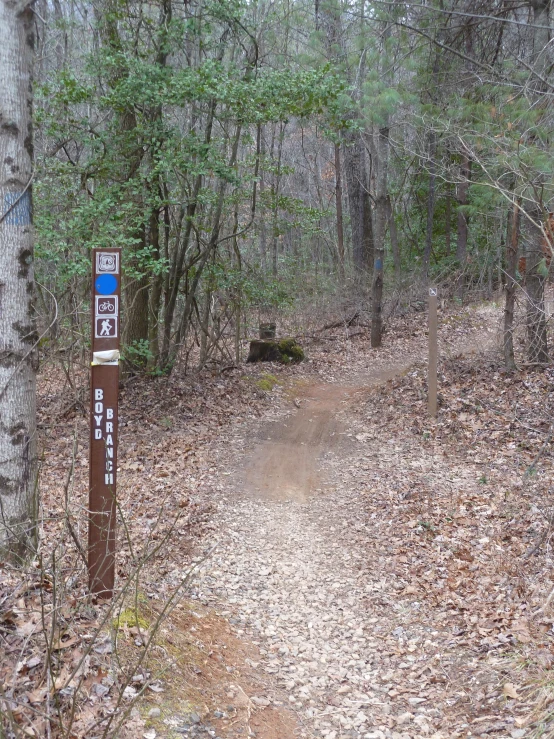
x,y
107,263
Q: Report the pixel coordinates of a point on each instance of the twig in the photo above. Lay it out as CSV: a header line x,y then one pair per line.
x,y
546,603
533,464
70,528
536,547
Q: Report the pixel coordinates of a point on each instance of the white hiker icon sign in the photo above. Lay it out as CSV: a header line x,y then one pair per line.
x,y
106,328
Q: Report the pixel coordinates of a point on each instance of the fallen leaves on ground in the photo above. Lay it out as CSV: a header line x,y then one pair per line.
x,y
464,508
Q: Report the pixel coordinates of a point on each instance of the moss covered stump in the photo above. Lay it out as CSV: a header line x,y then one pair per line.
x,y
280,350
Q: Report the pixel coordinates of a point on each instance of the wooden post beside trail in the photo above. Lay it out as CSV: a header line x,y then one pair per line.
x,y
104,386
433,352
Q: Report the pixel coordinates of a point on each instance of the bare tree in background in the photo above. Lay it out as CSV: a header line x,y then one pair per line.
x,y
535,278
18,484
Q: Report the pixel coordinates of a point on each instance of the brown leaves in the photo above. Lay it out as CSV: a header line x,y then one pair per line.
x,y
47,629
456,515
510,691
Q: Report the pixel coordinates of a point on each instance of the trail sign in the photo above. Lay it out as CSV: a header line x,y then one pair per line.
x,y
433,353
106,292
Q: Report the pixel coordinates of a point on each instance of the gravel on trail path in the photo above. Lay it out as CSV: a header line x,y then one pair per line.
x,y
343,643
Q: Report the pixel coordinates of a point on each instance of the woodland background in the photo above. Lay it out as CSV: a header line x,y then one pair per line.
x,y
252,158
313,165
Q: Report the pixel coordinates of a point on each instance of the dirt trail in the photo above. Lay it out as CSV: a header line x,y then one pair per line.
x,y
293,573
285,466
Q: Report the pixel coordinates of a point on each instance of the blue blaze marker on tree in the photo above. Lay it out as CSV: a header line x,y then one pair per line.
x,y
105,284
17,209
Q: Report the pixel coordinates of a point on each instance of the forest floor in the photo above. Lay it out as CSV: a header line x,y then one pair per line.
x,y
360,570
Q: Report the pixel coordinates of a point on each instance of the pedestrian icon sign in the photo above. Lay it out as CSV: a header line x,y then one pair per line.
x,y
106,328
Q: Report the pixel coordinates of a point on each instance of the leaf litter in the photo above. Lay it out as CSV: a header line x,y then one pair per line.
x,y
456,522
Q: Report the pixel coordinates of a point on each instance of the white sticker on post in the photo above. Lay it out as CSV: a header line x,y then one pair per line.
x,y
110,356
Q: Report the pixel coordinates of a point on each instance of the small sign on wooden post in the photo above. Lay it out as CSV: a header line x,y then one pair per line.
x,y
433,353
104,386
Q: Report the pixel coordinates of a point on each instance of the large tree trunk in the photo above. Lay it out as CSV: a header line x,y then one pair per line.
x,y
18,336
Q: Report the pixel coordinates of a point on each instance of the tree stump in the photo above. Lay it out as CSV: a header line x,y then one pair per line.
x,y
282,350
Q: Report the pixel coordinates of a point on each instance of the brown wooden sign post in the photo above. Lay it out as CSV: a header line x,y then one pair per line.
x,y
106,293
433,353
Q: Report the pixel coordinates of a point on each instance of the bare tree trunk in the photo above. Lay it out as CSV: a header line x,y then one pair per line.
x,y
395,247
448,219
276,192
61,40
382,205
463,220
137,308
177,268
18,336
430,203
511,286
205,328
357,183
381,210
155,303
208,252
338,199
358,203
535,276
263,230
135,286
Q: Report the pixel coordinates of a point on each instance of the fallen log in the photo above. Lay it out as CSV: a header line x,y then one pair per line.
x,y
344,322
